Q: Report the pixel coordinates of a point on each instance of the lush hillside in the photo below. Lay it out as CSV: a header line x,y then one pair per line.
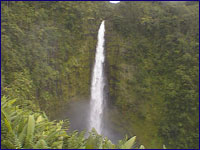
x,y
152,68
49,45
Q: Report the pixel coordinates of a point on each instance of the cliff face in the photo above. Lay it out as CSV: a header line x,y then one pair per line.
x,y
128,89
48,51
152,68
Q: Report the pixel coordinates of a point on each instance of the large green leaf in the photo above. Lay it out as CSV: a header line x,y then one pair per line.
x,y
30,132
91,143
142,147
6,120
108,144
129,143
41,144
31,127
39,119
5,103
22,135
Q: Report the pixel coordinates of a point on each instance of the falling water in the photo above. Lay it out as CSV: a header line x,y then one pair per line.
x,y
97,86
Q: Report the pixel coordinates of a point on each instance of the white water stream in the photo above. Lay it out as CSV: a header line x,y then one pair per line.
x,y
97,85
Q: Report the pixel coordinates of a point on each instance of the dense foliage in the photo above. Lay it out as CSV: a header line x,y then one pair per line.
x,y
152,64
22,128
50,46
153,67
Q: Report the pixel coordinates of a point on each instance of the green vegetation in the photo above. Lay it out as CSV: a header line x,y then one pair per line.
x,y
50,46
153,70
22,128
152,65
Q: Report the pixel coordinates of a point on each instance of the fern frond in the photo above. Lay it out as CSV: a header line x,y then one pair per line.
x,y
6,144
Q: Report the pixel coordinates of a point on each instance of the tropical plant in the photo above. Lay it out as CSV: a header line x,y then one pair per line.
x,y
23,128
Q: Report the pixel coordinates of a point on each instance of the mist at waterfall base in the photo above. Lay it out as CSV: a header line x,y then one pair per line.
x,y
78,113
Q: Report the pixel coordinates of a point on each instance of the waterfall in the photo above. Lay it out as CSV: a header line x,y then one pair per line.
x,y
97,85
